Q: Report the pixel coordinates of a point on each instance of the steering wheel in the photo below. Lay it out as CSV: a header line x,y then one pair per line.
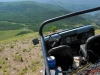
x,y
53,41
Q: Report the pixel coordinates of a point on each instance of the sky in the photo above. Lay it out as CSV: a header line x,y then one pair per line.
x,y
10,0
72,1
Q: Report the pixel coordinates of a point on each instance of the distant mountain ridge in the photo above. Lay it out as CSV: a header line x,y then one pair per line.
x,y
73,5
97,2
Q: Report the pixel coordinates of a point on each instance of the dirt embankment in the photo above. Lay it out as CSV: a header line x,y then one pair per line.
x,y
20,57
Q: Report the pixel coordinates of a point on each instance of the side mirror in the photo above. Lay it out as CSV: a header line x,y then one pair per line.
x,y
35,41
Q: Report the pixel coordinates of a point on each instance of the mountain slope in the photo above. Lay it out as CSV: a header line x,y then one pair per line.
x,y
31,14
95,18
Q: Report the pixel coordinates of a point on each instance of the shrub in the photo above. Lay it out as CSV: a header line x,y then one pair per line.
x,y
1,49
24,50
19,58
53,28
24,32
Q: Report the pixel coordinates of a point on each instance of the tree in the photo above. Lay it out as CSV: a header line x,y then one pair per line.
x,y
53,28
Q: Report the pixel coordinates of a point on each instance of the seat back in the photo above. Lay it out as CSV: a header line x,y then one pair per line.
x,y
63,55
93,48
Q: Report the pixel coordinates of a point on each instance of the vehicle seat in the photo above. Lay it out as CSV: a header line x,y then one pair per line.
x,y
93,44
91,48
63,55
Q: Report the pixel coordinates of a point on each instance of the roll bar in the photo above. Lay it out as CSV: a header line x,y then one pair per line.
x,y
53,20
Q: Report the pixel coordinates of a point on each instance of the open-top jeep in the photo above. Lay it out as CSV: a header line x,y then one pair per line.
x,y
71,52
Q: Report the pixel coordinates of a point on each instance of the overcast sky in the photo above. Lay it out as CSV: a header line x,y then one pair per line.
x,y
12,0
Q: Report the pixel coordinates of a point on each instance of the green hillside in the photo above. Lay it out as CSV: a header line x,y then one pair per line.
x,y
30,15
94,18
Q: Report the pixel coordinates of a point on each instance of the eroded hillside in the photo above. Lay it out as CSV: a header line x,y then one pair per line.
x,y
20,57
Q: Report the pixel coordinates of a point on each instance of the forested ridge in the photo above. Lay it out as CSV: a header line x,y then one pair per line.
x,y
30,14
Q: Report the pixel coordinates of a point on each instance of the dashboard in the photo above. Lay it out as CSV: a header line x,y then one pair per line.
x,y
70,37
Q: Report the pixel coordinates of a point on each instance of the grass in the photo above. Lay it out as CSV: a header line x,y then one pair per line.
x,y
34,65
5,58
19,58
97,32
5,67
24,70
24,50
16,34
8,34
34,68
11,42
0,66
11,45
1,49
11,37
3,70
35,62
2,61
